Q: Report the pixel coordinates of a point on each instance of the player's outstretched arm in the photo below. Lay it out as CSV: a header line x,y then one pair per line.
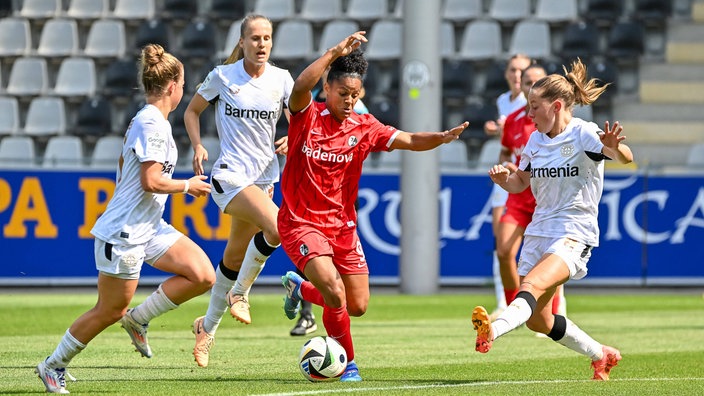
x,y
422,141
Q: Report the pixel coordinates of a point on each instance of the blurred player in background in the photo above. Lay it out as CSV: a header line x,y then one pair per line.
x,y
250,95
132,231
508,102
317,220
563,164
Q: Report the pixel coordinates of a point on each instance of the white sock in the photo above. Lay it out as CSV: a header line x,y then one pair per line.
x,y
498,283
218,301
517,313
579,341
252,266
156,304
67,349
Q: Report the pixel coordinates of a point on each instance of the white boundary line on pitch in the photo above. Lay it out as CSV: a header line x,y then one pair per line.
x,y
468,384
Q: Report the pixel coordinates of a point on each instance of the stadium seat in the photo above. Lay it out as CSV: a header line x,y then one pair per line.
x,y
40,9
15,37
532,38
106,152
59,38
509,11
495,81
6,9
106,39
135,105
453,156
231,40
17,152
385,41
94,118
457,78
10,111
153,31
489,154
198,41
556,12
276,10
481,41
459,12
448,47
76,78
695,157
226,11
63,152
652,12
293,41
367,11
604,12
477,113
580,40
626,41
606,72
178,127
321,11
134,10
46,116
334,31
179,10
121,79
88,9
29,76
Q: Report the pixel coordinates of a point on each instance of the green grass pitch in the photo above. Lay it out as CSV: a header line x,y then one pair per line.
x,y
405,345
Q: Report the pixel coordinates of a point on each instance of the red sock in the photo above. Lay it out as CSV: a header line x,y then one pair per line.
x,y
337,325
555,303
310,293
510,295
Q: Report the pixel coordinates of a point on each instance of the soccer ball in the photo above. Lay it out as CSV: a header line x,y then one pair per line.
x,y
322,358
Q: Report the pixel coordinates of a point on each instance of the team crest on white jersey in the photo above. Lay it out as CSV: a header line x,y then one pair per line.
x,y
234,89
567,150
352,141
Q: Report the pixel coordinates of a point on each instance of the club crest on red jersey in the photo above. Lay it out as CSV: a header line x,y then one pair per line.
x,y
304,249
352,141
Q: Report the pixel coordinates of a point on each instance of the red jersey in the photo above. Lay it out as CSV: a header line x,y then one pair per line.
x,y
517,129
324,163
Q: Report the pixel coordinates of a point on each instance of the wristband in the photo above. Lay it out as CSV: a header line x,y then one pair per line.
x,y
186,186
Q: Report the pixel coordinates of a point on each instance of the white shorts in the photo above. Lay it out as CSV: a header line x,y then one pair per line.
x,y
574,254
224,190
125,261
498,196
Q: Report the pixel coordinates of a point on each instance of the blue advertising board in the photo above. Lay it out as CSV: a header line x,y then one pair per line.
x,y
652,228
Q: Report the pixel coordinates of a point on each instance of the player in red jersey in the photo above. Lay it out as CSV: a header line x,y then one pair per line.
x,y
328,143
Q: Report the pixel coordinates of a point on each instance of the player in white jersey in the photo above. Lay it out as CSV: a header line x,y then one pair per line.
x,y
563,165
132,231
249,94
506,103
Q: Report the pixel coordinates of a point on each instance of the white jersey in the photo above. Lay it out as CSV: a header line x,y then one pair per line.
x,y
567,179
247,110
506,106
132,215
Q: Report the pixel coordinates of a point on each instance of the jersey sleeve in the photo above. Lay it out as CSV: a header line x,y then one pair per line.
x,y
150,142
288,87
526,157
210,88
381,135
591,141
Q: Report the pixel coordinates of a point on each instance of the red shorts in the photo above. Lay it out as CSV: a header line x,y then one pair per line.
x,y
519,209
303,243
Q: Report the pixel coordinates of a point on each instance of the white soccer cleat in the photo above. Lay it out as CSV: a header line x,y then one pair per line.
x,y
138,334
54,379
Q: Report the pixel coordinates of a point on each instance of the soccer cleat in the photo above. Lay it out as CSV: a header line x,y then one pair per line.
x,y
609,359
482,324
204,341
239,307
306,325
138,334
351,373
54,379
292,282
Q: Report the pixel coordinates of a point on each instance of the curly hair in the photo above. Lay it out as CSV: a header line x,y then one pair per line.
x,y
353,65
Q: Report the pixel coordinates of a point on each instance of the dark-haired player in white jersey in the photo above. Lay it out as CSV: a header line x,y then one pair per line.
x,y
249,95
563,164
132,231
317,221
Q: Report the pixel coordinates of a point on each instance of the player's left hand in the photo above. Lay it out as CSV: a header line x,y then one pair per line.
x,y
454,133
612,135
281,146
